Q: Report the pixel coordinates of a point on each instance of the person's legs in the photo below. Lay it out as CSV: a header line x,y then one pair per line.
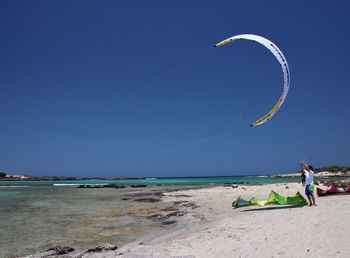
x,y
309,198
313,200
308,194
311,190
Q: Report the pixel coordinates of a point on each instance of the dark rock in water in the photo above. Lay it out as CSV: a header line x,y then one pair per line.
x,y
193,206
102,186
181,195
171,208
175,213
109,227
119,186
155,216
145,194
113,186
186,204
164,217
101,248
149,200
90,186
180,202
138,185
234,186
125,199
169,222
61,250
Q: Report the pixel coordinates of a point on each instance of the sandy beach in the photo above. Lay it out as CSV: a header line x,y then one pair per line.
x,y
218,230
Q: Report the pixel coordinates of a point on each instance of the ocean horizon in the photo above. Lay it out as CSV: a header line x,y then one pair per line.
x,y
207,180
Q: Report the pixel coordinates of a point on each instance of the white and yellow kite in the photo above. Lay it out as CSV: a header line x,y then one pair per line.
x,y
281,59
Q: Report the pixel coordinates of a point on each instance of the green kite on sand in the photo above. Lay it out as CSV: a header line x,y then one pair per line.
x,y
274,198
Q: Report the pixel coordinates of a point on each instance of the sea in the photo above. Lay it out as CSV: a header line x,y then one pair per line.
x,y
162,181
38,215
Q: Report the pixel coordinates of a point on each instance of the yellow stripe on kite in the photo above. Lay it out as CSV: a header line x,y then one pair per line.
x,y
224,42
269,114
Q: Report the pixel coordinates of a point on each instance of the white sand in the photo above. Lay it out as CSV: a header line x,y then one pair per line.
x,y
218,230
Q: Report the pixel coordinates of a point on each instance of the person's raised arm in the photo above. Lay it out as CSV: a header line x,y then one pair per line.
x,y
304,166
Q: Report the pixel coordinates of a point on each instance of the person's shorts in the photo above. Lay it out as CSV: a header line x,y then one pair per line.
x,y
309,189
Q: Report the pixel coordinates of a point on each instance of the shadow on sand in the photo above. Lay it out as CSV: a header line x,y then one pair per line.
x,y
274,208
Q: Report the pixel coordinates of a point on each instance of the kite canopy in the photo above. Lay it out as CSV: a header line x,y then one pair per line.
x,y
332,189
274,198
281,59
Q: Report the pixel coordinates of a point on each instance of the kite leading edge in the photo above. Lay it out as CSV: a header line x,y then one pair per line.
x,y
284,65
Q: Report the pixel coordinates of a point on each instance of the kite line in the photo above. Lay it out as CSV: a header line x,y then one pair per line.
x,y
176,148
149,85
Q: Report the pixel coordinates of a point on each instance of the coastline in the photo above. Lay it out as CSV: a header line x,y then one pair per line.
x,y
83,218
270,231
210,227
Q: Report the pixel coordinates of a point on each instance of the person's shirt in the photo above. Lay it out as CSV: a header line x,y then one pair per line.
x,y
309,177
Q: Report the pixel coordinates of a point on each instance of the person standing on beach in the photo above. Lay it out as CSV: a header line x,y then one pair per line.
x,y
309,178
302,177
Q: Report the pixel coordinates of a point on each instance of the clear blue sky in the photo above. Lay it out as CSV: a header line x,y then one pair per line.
x,y
71,74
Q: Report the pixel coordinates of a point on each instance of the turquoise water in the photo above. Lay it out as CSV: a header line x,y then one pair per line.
x,y
4,194
165,181
34,219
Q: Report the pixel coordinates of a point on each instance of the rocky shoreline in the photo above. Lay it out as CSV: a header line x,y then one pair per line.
x,y
170,216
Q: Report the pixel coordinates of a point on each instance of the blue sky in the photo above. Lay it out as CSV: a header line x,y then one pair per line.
x,y
135,88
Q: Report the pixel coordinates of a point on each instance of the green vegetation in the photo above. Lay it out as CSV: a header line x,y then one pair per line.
x,y
333,169
2,174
